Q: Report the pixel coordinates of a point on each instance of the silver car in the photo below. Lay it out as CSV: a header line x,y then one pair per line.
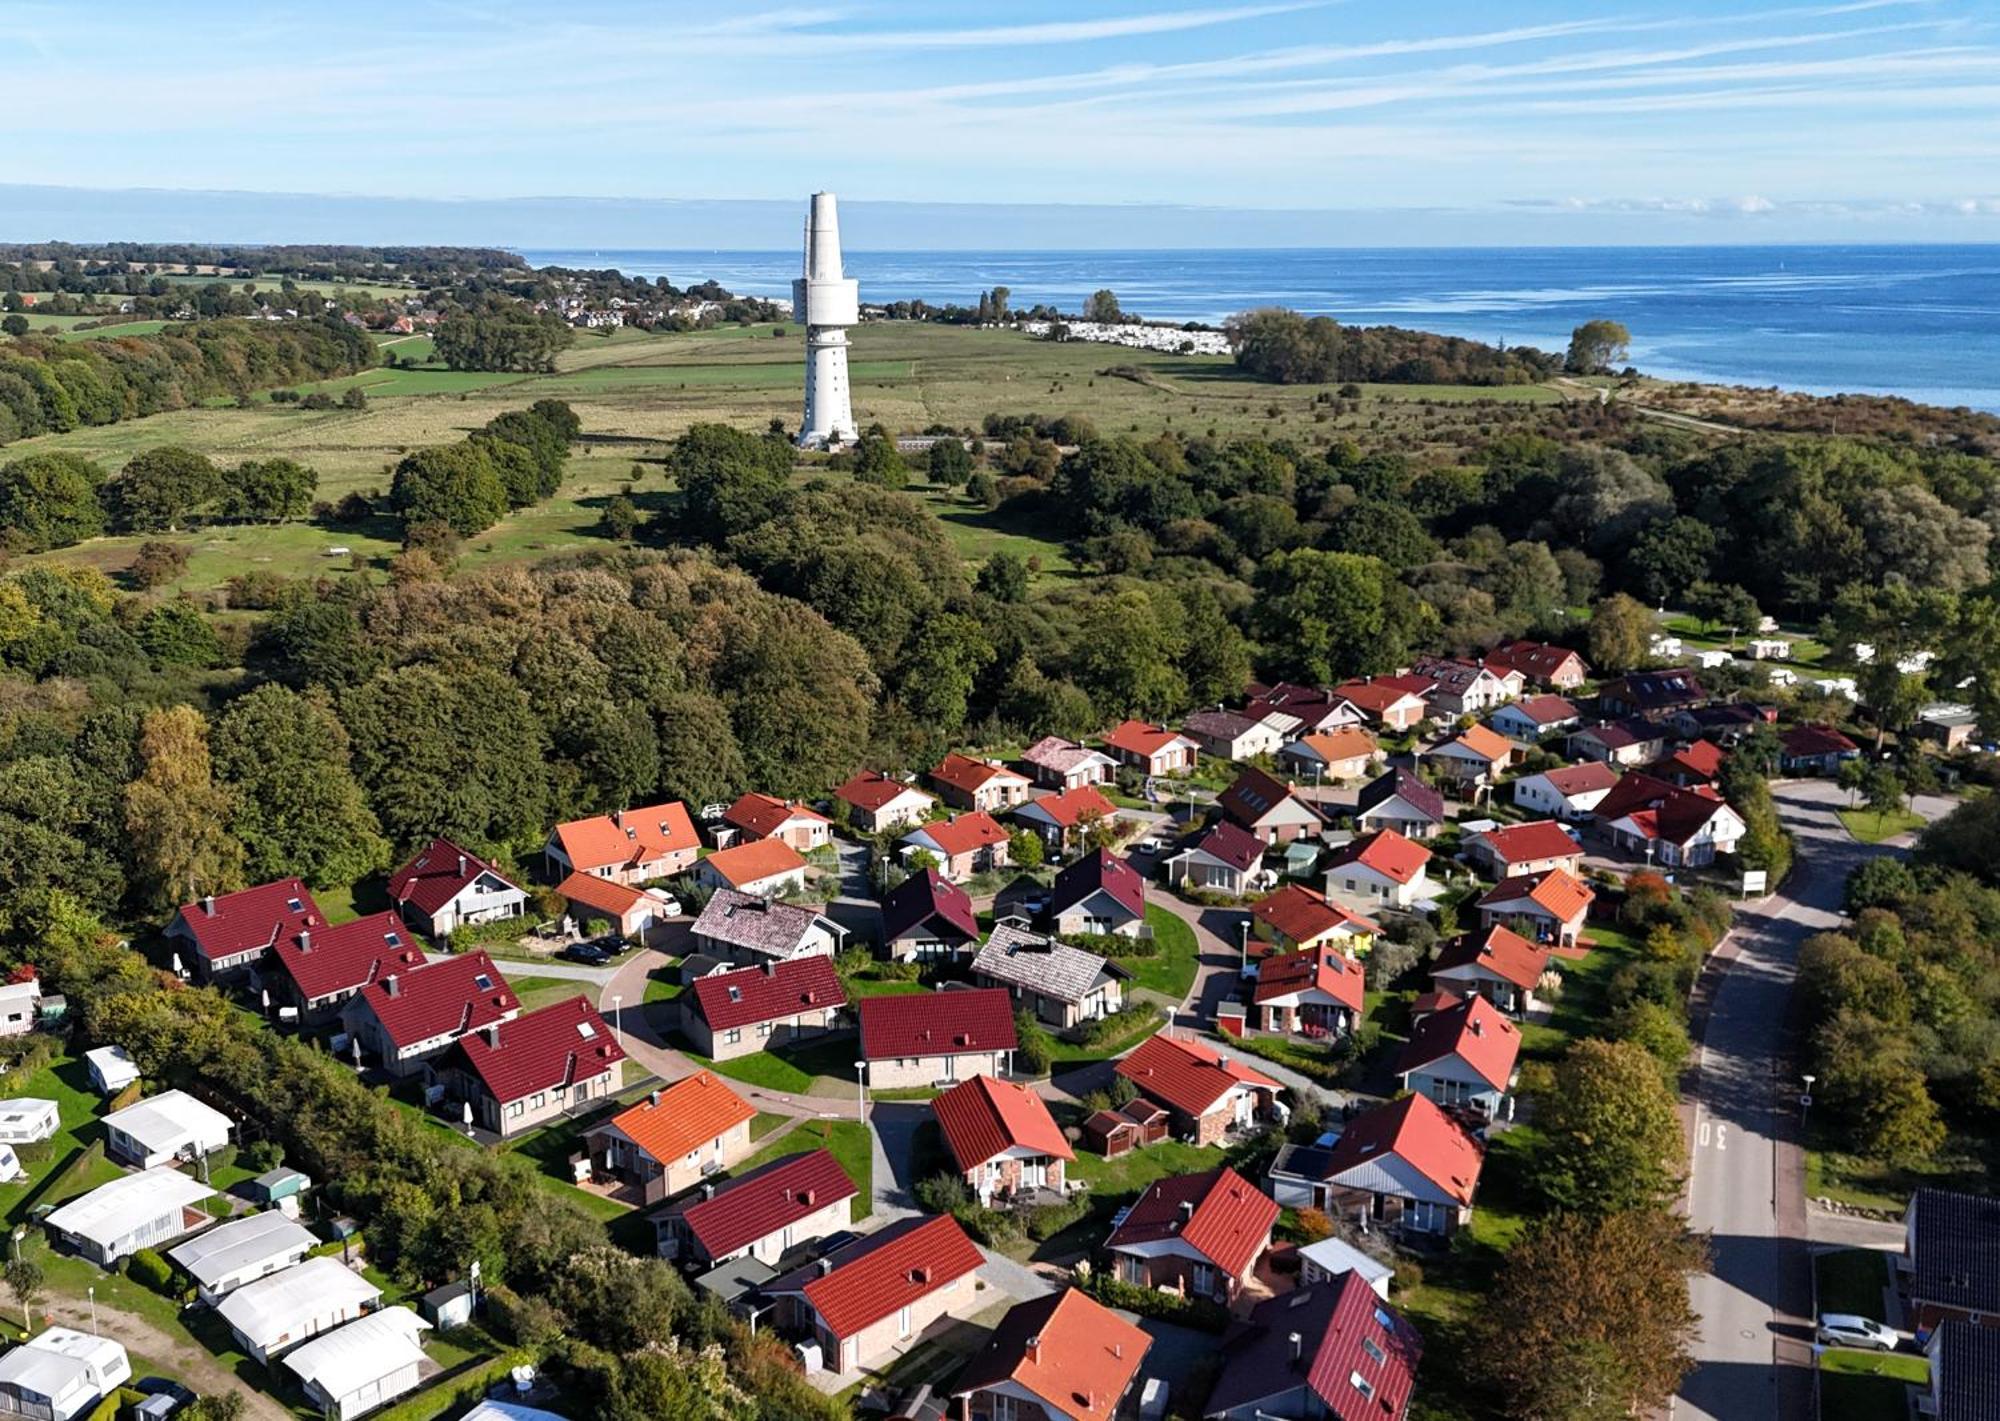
x,y
1845,1329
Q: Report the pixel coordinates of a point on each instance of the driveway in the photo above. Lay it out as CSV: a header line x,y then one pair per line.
x,y
896,1124
1218,956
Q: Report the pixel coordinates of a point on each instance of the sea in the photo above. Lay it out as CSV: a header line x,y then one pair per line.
x,y
1922,322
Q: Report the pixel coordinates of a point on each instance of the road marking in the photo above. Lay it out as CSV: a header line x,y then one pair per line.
x,y
1711,1132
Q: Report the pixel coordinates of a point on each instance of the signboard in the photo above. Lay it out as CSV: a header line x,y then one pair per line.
x,y
1755,881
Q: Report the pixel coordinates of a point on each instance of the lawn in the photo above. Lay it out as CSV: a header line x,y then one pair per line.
x,y
883,987
1878,1184
1170,971
849,1142
1868,827
1070,1053
1135,1169
660,984
790,1068
1851,1280
1868,1386
78,1109
536,992
764,1122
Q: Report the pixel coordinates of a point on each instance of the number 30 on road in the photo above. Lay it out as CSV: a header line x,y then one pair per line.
x,y
1712,1133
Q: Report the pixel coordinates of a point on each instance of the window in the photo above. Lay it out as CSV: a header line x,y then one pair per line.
x,y
903,1322
1003,1407
763,1029
1204,1279
515,1109
1361,1384
393,938
295,905
733,1035
1375,1354
483,982
541,1099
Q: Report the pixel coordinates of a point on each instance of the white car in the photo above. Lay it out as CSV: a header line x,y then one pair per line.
x,y
1845,1329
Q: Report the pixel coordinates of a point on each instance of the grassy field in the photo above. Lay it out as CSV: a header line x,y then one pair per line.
x,y
1868,827
78,1108
1170,971
792,1067
1868,1386
847,1140
1851,1280
536,992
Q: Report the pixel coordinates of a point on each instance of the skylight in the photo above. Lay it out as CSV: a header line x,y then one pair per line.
x,y
586,1030
295,905
483,982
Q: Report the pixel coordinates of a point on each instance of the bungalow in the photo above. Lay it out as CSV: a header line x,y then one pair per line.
x,y
445,887
1947,723
1495,963
1540,664
1382,869
1195,1234
1509,850
408,1017
963,845
1542,907
1385,703
1475,760
1814,750
274,1314
132,1212
1151,748
527,1072
866,1299
935,1037
876,802
1690,765
1134,1125
632,846
1313,993
364,1365
1949,1269
59,1374
21,1003
627,911
1530,719
322,967
242,1251
1465,687
764,1214
675,1138
984,785
1303,710
1062,1357
1403,1166
1099,894
1679,828
927,917
1346,753
1295,918
1205,1092
747,930
1002,1138
1063,986
1399,800
1325,1261
164,1128
729,1014
762,816
230,934
1070,818
1231,736
1463,1058
1624,743
1651,693
765,867
1328,1349
1061,764
1725,724
1223,860
1569,793
111,1068
24,1119
1269,809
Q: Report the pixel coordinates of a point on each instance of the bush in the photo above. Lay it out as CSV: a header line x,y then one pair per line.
x,y
149,1270
1037,1049
1148,1302
158,563
1045,1221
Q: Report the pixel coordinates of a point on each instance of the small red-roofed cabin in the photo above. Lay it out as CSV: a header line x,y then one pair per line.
x,y
445,887
1402,1166
1207,1093
766,1213
408,1017
675,1138
1064,1357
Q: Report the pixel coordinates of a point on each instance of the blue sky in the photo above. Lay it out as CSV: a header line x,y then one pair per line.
x,y
1714,121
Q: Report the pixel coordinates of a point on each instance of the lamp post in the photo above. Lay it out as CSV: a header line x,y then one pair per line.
x,y
861,1091
1805,1101
92,1291
1243,937
618,1019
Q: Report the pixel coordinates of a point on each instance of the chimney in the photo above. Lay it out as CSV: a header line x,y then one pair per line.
x,y
393,986
825,1266
493,1036
461,865
1187,1210
806,1197
1476,1027
1298,1345
708,1191
618,819
771,967
653,1099
1035,1348
208,904
1118,1351
305,940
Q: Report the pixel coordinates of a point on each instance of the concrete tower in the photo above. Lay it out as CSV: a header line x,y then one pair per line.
x,y
828,303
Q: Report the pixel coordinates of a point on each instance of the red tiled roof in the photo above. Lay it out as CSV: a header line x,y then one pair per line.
x,y
232,924
1416,1130
1375,697
754,862
695,1108
1555,890
326,960
1346,1332
1253,794
1546,710
439,874
555,1045
602,894
945,1023
1703,759
1475,1031
1070,1350
1069,808
1525,843
459,994
1387,852
1501,951
1298,913
768,992
761,1203
964,833
1138,737
762,815
1286,973
962,772
632,836
1230,1224
1486,743
1536,658
1100,870
1232,844
1658,809
1804,740
1191,1076
1587,778
1347,742
874,792
889,1270
925,896
982,1117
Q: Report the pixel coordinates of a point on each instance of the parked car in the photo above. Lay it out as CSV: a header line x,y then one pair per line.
x,y
1846,1329
590,954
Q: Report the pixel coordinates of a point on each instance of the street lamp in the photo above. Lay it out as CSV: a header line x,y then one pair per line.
x,y
617,1019
92,1290
1805,1101
861,1091
1243,936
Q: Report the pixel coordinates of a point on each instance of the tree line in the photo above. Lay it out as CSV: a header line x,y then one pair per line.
x,y
1287,348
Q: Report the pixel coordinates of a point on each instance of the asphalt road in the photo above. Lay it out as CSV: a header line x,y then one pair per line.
x,y
1747,1188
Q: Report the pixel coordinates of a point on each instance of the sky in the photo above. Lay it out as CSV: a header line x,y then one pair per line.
x,y
1289,122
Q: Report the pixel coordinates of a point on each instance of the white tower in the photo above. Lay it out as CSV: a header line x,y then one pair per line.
x,y
828,303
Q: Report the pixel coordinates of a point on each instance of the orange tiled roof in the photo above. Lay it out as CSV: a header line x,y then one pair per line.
x,y
696,1108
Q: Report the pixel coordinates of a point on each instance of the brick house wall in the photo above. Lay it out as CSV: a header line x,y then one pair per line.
x,y
1006,1175
898,1073
753,1037
539,1108
874,1342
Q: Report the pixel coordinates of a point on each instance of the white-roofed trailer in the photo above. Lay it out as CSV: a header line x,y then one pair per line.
x,y
111,1068
60,1374
277,1313
128,1214
24,1120
366,1364
242,1251
165,1127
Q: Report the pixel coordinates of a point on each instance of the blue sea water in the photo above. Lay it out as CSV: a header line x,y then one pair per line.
x,y
1917,321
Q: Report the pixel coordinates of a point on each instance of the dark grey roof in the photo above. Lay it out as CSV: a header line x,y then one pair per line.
x,y
737,1278
1020,958
1956,1250
1303,1162
1400,783
1965,1361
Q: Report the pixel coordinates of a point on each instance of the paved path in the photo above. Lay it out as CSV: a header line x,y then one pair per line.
x,y
1747,1182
